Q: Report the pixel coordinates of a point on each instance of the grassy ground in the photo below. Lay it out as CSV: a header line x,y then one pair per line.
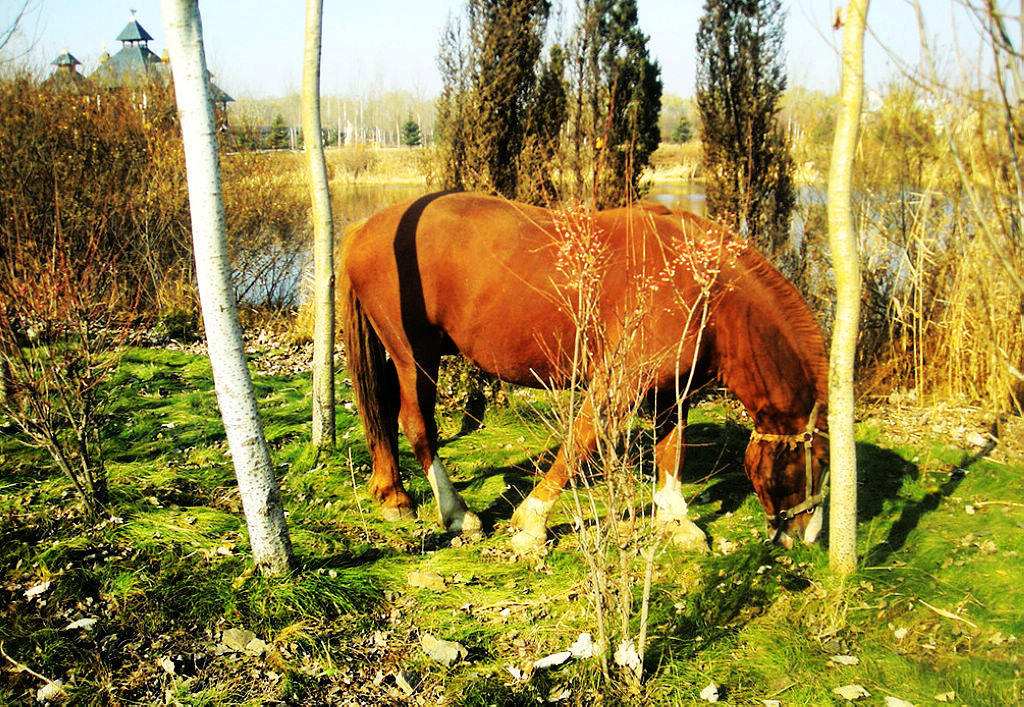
x,y
935,610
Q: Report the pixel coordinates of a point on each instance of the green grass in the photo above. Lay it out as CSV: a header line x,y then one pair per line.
x,y
935,607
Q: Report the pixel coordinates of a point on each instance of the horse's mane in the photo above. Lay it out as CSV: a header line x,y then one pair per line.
x,y
788,305
791,308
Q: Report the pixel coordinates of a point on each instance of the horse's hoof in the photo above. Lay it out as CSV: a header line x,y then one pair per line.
x,y
396,514
467,524
686,536
529,544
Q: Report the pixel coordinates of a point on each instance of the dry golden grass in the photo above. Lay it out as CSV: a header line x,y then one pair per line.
x,y
676,162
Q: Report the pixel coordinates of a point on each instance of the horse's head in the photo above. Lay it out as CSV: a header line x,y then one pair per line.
x,y
790,475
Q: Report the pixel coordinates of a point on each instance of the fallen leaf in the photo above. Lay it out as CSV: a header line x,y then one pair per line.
x,y
36,590
977,439
552,661
891,701
426,580
51,692
583,647
851,692
627,657
710,693
844,660
256,647
447,653
87,624
946,697
236,639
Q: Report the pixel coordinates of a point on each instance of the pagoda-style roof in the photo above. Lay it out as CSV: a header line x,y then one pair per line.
x,y
66,59
65,77
217,94
134,32
133,64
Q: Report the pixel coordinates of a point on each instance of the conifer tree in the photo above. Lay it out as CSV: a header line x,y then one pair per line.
x,y
616,100
486,112
538,160
740,78
278,137
411,135
683,132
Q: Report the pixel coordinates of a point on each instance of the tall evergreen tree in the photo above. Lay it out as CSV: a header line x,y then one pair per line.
x,y
683,131
490,85
616,101
538,160
411,135
278,138
746,157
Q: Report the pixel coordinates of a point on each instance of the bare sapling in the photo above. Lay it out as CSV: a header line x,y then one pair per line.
x,y
64,318
613,504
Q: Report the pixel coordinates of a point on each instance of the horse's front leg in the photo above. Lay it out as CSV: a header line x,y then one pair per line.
x,y
531,517
670,510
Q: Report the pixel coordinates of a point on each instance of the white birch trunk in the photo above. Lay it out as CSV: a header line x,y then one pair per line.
x,y
843,242
261,500
323,235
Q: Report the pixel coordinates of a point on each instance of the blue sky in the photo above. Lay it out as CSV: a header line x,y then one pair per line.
x,y
255,46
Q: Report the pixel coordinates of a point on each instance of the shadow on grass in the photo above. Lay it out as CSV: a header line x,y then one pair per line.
x,y
870,473
730,590
715,452
519,477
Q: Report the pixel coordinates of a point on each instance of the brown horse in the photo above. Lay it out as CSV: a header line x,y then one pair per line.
x,y
494,280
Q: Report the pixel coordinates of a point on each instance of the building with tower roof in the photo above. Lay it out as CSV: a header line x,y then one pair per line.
x,y
66,77
135,65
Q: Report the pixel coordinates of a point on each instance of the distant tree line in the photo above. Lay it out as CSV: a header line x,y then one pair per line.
x,y
278,135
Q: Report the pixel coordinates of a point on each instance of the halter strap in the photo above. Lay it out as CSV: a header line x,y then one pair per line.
x,y
796,438
811,500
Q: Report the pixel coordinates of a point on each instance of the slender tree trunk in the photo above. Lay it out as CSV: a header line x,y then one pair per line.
x,y
843,242
261,499
323,235
4,375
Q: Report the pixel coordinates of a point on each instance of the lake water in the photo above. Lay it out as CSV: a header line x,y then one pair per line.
x,y
679,196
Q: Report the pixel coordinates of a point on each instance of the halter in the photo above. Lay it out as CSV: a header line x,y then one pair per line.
x,y
811,500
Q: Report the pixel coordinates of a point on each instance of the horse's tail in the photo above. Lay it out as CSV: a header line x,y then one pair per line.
x,y
373,375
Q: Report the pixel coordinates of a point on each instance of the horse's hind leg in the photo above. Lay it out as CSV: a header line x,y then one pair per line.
x,y
419,394
669,451
385,483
